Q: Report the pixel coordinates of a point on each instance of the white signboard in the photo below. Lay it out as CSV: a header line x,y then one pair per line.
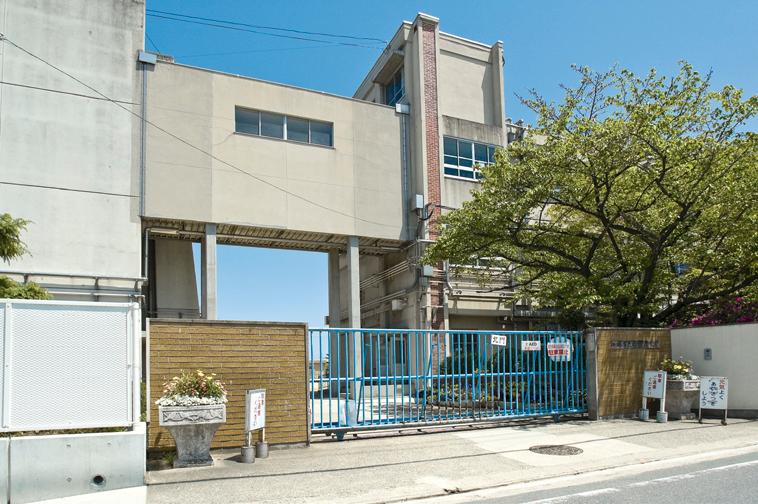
x,y
559,349
653,384
499,340
531,346
255,408
714,392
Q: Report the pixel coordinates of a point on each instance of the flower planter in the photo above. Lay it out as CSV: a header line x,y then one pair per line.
x,y
192,428
681,397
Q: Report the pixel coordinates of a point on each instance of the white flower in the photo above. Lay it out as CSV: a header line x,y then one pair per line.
x,y
184,400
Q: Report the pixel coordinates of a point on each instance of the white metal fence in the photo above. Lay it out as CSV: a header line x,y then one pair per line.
x,y
69,365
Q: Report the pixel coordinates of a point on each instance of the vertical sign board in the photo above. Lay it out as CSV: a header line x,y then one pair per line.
x,y
255,406
653,384
654,387
499,340
559,349
714,393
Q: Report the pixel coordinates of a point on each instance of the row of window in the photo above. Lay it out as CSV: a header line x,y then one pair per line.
x,y
296,129
462,157
394,89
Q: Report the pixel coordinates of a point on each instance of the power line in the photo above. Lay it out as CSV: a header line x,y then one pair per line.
x,y
273,49
155,46
79,95
186,142
290,30
278,35
68,189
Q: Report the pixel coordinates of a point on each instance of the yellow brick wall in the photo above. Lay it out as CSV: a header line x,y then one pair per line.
x,y
245,355
620,371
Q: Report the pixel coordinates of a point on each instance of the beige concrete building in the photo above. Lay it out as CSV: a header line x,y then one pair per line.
x,y
219,159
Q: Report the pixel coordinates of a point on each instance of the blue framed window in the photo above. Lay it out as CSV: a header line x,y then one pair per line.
x,y
464,157
394,90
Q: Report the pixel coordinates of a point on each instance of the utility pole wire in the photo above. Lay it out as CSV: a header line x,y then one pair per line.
x,y
291,30
186,142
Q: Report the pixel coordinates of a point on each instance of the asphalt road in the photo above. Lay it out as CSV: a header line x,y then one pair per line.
x,y
731,480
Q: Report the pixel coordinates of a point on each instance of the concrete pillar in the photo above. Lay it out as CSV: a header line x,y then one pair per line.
x,y
208,274
590,338
355,339
335,311
354,283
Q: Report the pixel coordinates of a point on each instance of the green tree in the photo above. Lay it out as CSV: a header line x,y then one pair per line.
x,y
635,198
11,247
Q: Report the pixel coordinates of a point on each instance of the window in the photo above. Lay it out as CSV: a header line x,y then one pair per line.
x,y
297,129
271,125
394,91
464,157
247,121
321,133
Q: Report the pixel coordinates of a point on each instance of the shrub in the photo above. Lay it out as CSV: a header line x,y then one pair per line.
x,y
192,389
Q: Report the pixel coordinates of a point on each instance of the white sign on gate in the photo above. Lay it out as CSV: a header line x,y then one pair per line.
x,y
559,349
255,406
531,346
499,340
714,392
653,384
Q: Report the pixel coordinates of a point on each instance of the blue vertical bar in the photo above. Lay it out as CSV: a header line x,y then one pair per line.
x,y
373,377
386,378
313,378
321,375
339,378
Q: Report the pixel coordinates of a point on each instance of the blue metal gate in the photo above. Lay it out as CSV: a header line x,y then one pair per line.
x,y
363,378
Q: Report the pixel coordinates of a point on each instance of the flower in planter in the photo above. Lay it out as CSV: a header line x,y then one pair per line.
x,y
678,369
193,389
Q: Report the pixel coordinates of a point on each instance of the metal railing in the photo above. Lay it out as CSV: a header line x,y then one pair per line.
x,y
362,378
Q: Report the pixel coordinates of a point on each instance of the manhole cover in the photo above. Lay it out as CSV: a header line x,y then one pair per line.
x,y
556,450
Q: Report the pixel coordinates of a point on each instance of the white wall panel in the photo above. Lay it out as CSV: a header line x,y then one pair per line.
x,y
68,365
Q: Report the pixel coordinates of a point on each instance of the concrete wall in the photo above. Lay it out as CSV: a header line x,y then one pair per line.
x,y
67,158
51,467
245,355
175,282
467,84
358,180
734,350
614,376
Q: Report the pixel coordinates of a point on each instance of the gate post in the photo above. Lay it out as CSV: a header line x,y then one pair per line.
x,y
590,338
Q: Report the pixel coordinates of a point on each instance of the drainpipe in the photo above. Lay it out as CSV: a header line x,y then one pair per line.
x,y
404,109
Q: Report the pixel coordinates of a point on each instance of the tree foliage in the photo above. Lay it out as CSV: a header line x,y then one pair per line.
x,y
11,247
634,198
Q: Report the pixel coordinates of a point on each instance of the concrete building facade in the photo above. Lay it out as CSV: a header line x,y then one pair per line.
x,y
219,159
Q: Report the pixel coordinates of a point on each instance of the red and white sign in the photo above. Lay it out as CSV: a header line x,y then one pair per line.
x,y
255,407
559,350
531,346
499,340
653,384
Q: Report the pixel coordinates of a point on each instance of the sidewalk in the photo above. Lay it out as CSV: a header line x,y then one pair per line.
x,y
382,466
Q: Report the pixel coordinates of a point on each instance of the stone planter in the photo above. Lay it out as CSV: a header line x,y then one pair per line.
x,y
681,397
192,428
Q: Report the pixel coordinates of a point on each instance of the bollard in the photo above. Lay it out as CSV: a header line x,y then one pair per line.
x,y
261,449
248,454
644,414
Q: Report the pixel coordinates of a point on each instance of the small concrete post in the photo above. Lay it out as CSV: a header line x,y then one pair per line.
x,y
208,278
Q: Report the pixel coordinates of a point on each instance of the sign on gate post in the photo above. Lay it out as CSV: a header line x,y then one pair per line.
x,y
499,340
559,349
714,393
531,346
654,387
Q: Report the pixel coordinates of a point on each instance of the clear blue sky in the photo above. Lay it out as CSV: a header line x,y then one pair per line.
x,y
541,40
